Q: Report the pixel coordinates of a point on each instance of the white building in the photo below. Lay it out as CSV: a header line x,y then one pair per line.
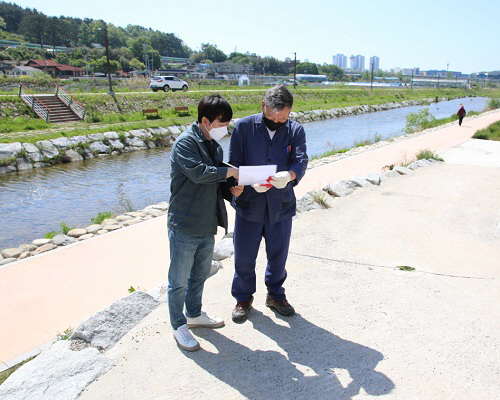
x,y
357,63
19,70
340,61
375,61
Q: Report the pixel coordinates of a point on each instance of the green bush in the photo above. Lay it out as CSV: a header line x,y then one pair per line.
x,y
101,216
428,154
493,104
418,121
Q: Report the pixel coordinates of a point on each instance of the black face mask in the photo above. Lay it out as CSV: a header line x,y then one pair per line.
x,y
273,126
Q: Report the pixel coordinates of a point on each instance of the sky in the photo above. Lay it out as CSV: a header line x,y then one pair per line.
x,y
440,34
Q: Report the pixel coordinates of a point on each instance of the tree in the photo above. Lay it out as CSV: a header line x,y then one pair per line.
x,y
35,27
208,52
3,25
307,68
136,65
101,65
333,72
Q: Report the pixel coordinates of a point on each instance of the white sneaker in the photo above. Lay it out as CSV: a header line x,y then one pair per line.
x,y
185,339
204,321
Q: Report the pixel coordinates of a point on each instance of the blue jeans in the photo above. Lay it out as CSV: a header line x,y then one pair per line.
x,y
190,262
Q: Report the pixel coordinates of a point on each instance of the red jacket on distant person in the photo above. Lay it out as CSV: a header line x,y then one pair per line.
x,y
461,112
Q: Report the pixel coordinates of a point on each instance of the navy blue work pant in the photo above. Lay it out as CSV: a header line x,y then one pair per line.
x,y
247,237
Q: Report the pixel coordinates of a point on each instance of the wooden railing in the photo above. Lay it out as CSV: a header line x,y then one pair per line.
x,y
72,103
34,102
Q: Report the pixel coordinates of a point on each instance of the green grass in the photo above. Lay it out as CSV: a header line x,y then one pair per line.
x,y
492,132
101,216
23,124
244,102
426,154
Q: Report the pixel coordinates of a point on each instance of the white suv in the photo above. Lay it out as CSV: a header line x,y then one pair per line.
x,y
168,82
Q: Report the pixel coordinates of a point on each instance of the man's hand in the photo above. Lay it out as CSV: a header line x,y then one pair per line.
x,y
280,180
237,190
261,188
232,172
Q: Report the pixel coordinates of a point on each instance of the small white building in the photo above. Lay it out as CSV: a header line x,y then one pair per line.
x,y
19,70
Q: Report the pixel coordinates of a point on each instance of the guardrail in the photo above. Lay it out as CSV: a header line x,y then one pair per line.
x,y
34,102
72,103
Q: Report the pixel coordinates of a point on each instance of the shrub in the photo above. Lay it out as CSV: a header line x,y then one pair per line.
x,y
428,154
493,104
418,121
101,216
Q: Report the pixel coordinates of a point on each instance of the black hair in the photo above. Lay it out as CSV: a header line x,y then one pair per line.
x,y
214,106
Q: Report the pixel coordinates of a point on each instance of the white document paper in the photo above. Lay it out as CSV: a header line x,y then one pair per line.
x,y
249,175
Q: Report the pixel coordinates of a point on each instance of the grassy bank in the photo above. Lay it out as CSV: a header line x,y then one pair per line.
x,y
492,132
122,113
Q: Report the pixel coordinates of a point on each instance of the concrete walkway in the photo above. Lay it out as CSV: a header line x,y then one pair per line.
x,y
364,327
44,295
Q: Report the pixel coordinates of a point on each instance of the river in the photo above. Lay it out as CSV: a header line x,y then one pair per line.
x,y
36,202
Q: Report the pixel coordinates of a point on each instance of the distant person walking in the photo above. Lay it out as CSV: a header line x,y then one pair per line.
x,y
461,114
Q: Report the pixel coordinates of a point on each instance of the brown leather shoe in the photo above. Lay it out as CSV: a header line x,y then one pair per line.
x,y
282,307
241,310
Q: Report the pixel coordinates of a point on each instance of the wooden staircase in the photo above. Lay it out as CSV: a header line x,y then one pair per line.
x,y
58,107
58,111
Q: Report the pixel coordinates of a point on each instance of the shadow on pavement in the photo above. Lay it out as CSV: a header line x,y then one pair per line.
x,y
322,359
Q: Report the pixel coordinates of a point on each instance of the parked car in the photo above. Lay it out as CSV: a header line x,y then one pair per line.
x,y
168,82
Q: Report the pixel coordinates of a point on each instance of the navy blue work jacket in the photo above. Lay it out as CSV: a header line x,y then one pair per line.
x,y
252,145
197,175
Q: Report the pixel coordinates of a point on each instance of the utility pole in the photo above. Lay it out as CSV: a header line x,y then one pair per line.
x,y
295,71
107,56
371,83
411,82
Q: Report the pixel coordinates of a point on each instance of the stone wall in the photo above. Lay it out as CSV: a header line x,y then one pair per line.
x,y
24,156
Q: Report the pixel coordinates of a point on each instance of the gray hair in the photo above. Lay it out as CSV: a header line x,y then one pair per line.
x,y
278,98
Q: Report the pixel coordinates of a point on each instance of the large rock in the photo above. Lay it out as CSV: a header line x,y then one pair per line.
x,y
96,136
93,228
174,130
5,261
72,156
141,134
108,221
40,242
63,240
56,374
390,174
159,131
107,327
340,188
116,144
360,182
11,253
111,135
99,148
216,266
48,149
135,142
9,150
76,233
44,248
23,165
402,170
313,201
60,143
224,249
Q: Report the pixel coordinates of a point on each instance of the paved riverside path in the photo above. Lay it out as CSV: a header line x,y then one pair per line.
x,y
46,294
364,328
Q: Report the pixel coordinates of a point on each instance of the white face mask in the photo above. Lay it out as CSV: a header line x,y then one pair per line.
x,y
218,133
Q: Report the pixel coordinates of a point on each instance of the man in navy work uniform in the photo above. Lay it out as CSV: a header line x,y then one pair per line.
x,y
266,211
196,209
